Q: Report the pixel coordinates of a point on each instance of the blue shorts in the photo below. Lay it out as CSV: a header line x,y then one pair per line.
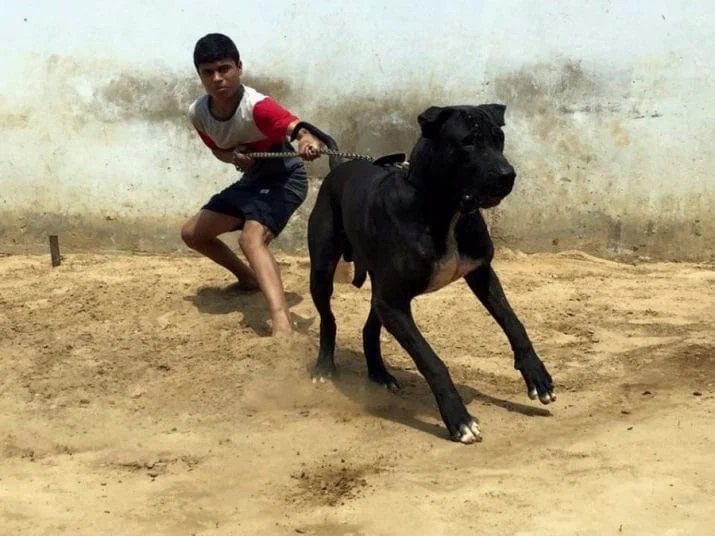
x,y
269,192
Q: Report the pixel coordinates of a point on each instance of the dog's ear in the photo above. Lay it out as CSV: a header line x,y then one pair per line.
x,y
431,119
496,111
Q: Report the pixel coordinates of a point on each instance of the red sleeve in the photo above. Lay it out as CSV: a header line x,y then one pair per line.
x,y
272,119
207,140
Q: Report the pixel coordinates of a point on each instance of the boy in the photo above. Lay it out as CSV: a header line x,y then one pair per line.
x,y
232,119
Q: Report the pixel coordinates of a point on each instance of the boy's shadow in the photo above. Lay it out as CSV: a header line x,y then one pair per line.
x,y
252,304
414,399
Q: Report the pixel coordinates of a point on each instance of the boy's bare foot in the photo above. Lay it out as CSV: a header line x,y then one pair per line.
x,y
282,326
282,333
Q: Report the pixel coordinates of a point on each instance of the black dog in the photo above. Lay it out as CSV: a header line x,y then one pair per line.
x,y
413,231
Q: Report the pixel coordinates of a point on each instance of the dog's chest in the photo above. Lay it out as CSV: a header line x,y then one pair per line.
x,y
452,265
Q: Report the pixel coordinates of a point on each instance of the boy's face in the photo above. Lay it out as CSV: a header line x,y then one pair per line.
x,y
221,78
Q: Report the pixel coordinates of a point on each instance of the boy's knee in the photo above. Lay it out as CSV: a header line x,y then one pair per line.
x,y
189,235
254,235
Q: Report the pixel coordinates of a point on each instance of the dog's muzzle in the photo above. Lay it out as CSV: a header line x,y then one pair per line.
x,y
500,185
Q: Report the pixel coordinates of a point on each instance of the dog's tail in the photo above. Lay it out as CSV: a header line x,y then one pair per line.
x,y
360,274
333,160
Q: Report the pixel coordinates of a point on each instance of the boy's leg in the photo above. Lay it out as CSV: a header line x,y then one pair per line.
x,y
254,241
200,233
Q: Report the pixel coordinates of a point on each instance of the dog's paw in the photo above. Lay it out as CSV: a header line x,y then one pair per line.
x,y
323,372
538,380
461,426
468,433
385,379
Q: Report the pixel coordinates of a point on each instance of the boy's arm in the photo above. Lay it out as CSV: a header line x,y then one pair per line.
x,y
232,156
278,123
229,156
223,155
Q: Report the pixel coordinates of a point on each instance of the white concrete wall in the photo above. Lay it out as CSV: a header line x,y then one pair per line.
x,y
609,119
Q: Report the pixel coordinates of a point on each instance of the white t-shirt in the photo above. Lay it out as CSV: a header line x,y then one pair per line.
x,y
258,123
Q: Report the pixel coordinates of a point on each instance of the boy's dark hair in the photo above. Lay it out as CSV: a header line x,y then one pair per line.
x,y
214,47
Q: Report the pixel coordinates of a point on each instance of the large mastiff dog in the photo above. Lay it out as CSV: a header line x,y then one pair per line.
x,y
414,231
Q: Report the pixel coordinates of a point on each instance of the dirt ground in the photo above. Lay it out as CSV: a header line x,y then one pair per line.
x,y
139,396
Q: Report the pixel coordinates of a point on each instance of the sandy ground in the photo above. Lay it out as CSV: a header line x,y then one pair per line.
x,y
140,397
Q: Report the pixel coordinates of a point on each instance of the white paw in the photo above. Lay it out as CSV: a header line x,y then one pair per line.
x,y
545,399
470,433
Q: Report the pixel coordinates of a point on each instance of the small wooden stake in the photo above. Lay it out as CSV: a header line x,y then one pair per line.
x,y
55,250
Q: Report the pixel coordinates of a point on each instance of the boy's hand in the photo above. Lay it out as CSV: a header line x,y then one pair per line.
x,y
308,147
241,161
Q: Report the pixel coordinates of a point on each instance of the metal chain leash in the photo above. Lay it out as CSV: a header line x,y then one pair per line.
x,y
287,154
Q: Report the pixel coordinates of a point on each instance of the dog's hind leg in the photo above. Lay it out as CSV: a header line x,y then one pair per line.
x,y
325,250
371,345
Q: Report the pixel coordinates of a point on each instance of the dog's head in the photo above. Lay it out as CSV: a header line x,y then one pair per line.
x,y
468,145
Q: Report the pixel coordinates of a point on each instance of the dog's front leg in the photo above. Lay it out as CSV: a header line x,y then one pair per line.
x,y
397,319
486,286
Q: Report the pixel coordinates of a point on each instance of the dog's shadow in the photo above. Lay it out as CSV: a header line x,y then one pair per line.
x,y
414,400
251,304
